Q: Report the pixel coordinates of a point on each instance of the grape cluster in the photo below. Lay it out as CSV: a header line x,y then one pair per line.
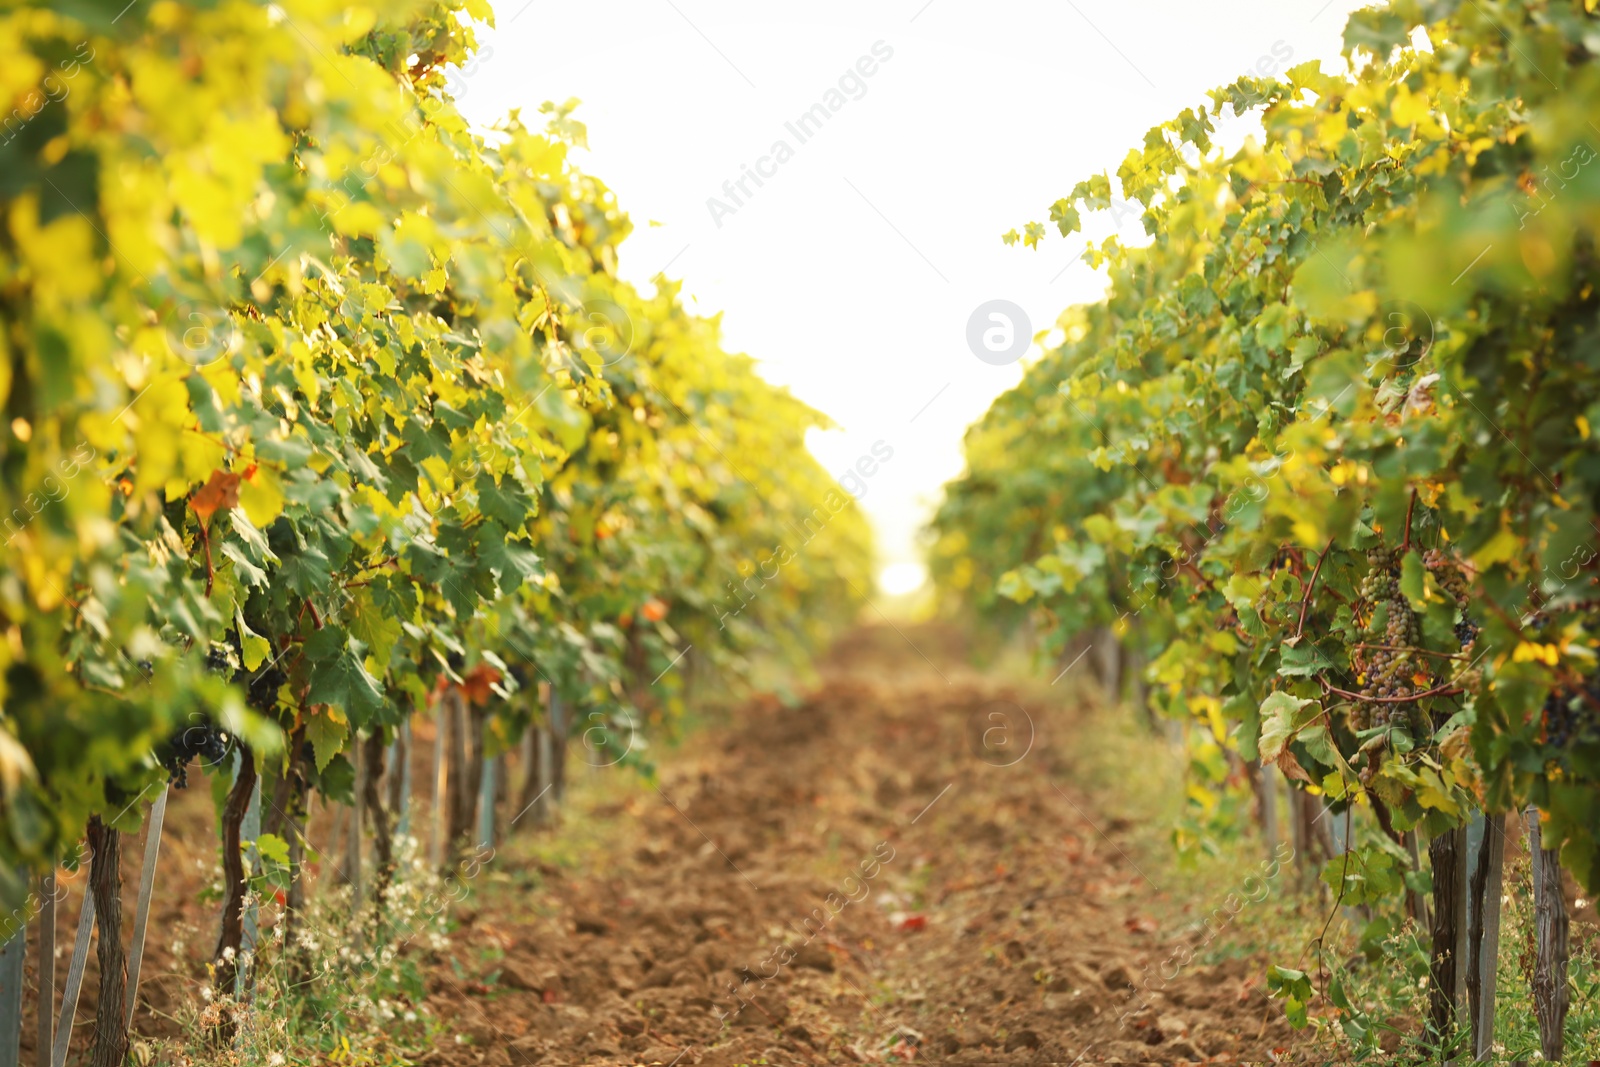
x,y
207,741
219,660
261,690
1571,714
1382,582
1447,573
1391,670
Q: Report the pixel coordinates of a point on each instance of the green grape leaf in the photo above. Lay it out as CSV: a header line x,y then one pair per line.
x,y
1282,716
339,676
327,736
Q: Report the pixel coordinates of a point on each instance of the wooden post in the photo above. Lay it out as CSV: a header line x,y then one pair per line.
x,y
249,929
378,813
391,779
358,757
1339,827
338,846
486,789
1138,688
558,743
400,787
464,790
1298,835
147,880
69,995
440,791
11,992
1447,854
47,970
1108,658
530,774
1484,940
235,886
295,898
105,888
1416,903
1320,829
1267,790
546,804
1550,994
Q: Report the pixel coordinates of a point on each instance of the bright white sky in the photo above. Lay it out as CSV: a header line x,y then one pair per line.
x,y
850,274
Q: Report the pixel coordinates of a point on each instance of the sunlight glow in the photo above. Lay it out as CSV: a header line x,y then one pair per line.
x,y
900,578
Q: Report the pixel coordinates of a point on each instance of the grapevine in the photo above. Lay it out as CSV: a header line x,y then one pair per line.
x,y
1322,459
321,366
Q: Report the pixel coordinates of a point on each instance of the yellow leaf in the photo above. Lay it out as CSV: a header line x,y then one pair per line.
x,y
201,456
158,416
1408,108
208,203
1501,547
357,21
358,219
305,372
261,496
1533,652
15,763
255,647
60,255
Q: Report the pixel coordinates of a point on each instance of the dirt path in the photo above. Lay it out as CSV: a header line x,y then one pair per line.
x,y
897,869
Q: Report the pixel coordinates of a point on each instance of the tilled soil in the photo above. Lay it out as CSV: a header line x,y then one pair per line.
x,y
899,868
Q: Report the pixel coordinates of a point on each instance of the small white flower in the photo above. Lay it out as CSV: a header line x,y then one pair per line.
x,y
276,1060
